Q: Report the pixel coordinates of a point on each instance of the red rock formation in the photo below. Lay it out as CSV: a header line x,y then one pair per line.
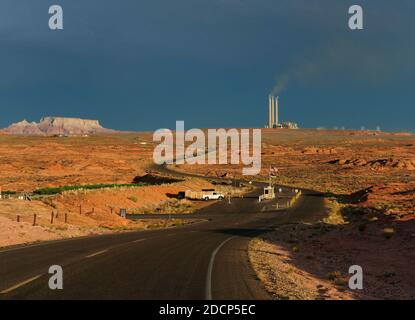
x,y
57,126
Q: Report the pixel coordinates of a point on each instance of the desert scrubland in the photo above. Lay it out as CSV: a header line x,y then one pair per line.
x,y
366,178
33,163
368,181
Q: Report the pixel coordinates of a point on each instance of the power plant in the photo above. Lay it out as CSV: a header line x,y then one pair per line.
x,y
273,117
273,112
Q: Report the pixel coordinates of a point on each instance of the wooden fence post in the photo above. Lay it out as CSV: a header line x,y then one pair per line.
x,y
51,218
18,218
34,219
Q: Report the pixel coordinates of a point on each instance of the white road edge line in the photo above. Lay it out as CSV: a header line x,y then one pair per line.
x,y
96,253
139,240
21,284
210,269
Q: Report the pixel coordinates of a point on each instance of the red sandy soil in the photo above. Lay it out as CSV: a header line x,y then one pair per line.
x,y
18,233
108,202
312,261
28,163
96,216
13,233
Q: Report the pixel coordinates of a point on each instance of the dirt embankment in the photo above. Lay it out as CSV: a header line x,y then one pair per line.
x,y
83,212
108,202
312,261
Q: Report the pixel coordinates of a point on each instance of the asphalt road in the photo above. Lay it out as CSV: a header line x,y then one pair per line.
x,y
206,260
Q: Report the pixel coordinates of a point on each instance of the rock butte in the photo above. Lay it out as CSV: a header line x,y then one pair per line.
x,y
57,126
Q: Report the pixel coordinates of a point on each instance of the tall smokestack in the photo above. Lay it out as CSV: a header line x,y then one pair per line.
x,y
276,120
273,112
270,112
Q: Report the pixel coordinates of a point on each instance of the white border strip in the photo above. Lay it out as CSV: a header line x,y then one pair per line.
x,y
210,268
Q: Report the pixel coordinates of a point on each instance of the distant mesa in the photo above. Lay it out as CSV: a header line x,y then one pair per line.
x,y
57,126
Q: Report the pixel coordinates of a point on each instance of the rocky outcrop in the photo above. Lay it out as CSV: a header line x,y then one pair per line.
x,y
50,126
24,127
378,164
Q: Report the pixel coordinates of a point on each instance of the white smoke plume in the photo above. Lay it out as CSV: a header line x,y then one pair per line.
x,y
367,65
302,73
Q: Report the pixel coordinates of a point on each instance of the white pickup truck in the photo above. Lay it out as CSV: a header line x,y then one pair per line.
x,y
203,195
212,195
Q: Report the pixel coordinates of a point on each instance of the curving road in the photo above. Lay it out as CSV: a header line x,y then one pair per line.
x,y
205,260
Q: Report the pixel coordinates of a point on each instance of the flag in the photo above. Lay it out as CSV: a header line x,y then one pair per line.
x,y
273,171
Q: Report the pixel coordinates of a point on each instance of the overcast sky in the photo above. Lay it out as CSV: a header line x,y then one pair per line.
x,y
143,64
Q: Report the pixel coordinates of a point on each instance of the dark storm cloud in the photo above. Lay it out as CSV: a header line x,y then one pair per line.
x,y
125,62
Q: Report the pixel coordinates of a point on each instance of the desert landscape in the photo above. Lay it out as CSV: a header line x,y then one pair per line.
x,y
109,163
81,181
208,158
368,181
370,169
